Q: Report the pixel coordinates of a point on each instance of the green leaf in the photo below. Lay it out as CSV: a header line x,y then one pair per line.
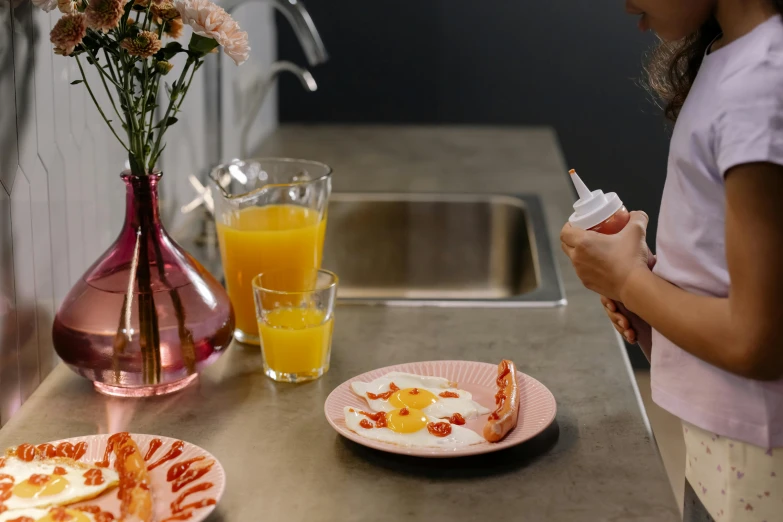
x,y
201,45
171,50
170,121
77,81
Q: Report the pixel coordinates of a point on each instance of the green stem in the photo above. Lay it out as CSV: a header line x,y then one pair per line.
x,y
103,74
144,97
120,93
155,90
147,20
177,91
128,67
97,105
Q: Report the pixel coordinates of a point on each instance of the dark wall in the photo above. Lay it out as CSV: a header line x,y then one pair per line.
x,y
574,65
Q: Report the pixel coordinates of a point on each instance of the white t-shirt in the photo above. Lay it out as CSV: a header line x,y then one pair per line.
x,y
733,115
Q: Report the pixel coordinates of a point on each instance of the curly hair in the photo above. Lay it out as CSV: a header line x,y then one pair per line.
x,y
673,66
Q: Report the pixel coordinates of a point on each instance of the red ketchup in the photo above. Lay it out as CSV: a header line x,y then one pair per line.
x,y
606,214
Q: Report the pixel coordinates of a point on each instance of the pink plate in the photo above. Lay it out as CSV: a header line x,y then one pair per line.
x,y
162,494
537,405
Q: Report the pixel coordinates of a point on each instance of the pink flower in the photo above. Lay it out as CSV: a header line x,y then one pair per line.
x,y
211,21
45,5
68,32
104,15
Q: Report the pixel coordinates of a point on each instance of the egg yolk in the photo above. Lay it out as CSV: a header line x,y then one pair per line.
x,y
39,488
415,398
408,421
71,515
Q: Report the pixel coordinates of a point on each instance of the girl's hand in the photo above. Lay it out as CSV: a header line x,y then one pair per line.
x,y
622,323
619,321
603,262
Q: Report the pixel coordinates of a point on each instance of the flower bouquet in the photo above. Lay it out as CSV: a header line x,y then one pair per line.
x,y
146,317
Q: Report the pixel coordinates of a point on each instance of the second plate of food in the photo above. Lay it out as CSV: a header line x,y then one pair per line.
x,y
536,411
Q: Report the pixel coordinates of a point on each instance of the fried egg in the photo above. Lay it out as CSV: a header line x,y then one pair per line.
x,y
56,481
435,396
46,515
409,427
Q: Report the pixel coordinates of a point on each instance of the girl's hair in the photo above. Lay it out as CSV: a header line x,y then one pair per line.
x,y
673,66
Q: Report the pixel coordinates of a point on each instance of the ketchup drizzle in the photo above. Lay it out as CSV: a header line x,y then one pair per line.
x,y
379,419
176,470
439,429
500,396
177,506
449,395
191,475
154,445
46,450
385,395
38,479
26,452
173,453
94,477
457,419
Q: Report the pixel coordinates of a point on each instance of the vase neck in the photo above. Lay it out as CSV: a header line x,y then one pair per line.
x,y
141,200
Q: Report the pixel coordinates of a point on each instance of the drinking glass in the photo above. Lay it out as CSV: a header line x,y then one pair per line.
x,y
271,215
295,314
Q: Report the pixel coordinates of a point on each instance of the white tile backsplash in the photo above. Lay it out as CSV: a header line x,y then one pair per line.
x,y
61,199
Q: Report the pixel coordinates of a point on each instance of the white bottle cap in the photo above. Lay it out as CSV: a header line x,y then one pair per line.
x,y
592,208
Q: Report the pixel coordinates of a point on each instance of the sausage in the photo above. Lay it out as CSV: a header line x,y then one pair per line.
x,y
135,495
504,418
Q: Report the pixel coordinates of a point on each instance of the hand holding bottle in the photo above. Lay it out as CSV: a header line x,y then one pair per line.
x,y
597,260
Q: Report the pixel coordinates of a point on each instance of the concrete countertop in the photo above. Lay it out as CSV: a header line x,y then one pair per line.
x,y
283,461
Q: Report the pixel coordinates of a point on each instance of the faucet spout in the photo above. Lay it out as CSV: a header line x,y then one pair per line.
x,y
263,86
297,15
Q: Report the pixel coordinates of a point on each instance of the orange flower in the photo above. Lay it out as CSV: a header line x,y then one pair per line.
x,y
144,44
104,15
173,28
68,32
163,12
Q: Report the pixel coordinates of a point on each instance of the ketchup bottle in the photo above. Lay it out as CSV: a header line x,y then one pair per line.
x,y
606,214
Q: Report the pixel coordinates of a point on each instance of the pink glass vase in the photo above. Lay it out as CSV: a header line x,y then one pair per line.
x,y
146,318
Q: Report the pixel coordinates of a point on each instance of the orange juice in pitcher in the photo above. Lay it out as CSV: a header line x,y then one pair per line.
x,y
273,217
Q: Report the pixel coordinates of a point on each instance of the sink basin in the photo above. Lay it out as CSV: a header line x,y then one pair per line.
x,y
441,250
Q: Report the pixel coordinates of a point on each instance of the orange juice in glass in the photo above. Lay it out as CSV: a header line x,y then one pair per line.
x,y
295,312
271,215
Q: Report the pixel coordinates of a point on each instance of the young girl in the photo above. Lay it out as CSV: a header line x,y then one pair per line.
x,y
714,298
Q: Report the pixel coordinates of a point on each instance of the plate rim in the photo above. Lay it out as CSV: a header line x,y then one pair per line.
x,y
467,451
199,515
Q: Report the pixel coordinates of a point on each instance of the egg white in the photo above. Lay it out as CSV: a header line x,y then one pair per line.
x,y
443,409
459,436
38,513
75,491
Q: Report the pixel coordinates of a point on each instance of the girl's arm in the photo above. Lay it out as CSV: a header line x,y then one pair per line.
x,y
740,333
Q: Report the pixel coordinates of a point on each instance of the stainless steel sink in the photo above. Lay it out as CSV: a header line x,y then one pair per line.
x,y
441,250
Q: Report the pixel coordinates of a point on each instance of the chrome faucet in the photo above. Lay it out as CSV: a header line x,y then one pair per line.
x,y
259,95
315,51
312,44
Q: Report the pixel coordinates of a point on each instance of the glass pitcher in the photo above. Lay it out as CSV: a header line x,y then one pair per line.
x,y
271,215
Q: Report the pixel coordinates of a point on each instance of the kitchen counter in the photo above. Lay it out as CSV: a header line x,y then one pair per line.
x,y
283,462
